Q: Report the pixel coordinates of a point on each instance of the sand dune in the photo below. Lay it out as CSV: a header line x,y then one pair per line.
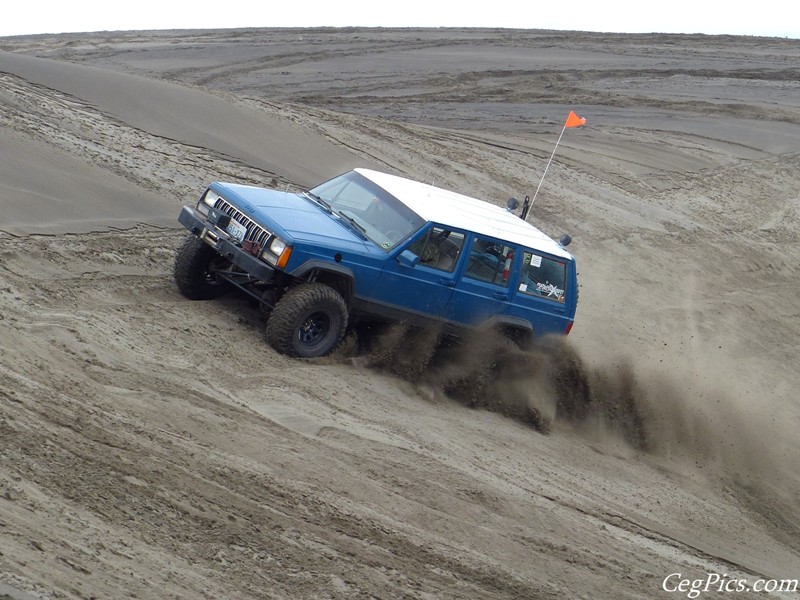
x,y
154,447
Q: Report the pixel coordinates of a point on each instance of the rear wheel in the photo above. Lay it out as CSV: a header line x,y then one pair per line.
x,y
195,270
308,321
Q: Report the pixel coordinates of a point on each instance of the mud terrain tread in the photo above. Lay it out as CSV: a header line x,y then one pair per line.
x,y
296,305
189,270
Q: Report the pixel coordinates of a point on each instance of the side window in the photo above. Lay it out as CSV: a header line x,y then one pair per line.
x,y
543,277
439,249
489,261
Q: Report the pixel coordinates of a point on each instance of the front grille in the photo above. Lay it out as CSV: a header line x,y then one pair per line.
x,y
255,232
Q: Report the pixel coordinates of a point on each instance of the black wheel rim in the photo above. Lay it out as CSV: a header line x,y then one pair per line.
x,y
314,329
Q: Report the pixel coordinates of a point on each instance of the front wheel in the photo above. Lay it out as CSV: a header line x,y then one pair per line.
x,y
308,321
194,270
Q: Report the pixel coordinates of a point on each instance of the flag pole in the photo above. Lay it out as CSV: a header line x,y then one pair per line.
x,y
573,120
536,193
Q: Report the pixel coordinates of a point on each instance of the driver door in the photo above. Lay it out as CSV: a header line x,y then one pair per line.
x,y
421,291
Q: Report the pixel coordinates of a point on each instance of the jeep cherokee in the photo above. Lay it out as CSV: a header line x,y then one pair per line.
x,y
368,244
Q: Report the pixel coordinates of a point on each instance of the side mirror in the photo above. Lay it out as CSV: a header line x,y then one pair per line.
x,y
408,259
565,240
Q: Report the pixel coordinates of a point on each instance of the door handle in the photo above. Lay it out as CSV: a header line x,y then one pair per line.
x,y
447,282
500,295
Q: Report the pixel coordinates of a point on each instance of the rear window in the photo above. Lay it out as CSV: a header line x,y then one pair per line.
x,y
544,277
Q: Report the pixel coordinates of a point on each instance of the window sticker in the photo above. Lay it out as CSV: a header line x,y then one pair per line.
x,y
543,277
549,290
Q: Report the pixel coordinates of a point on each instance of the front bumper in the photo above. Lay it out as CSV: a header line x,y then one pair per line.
x,y
221,242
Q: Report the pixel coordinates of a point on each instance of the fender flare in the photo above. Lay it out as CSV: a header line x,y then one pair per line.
x,y
322,266
522,332
499,321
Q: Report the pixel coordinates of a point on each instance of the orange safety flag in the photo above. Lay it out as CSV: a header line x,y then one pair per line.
x,y
574,120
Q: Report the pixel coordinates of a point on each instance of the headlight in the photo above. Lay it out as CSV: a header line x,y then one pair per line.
x,y
277,253
208,200
277,246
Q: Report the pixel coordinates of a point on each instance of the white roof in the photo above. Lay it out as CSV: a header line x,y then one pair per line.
x,y
462,212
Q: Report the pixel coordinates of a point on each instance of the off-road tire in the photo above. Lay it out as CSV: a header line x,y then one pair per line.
x,y
193,270
308,321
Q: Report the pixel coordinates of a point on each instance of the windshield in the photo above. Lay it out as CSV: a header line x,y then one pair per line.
x,y
368,208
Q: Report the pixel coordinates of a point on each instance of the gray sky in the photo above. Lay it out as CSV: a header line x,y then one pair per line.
x,y
779,18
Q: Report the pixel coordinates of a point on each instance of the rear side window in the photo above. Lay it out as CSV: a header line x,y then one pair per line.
x,y
542,276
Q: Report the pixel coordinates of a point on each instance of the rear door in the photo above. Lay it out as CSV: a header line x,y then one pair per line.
x,y
483,291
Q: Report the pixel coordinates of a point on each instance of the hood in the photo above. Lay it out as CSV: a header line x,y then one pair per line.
x,y
292,216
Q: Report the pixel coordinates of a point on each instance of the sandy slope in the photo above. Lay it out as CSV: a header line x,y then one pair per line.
x,y
155,448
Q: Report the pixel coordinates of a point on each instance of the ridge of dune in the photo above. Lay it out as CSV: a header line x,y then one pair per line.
x,y
190,116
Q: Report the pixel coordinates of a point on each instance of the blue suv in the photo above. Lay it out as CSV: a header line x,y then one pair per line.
x,y
371,245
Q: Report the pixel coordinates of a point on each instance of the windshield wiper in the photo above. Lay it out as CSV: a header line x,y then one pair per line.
x,y
355,224
319,201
